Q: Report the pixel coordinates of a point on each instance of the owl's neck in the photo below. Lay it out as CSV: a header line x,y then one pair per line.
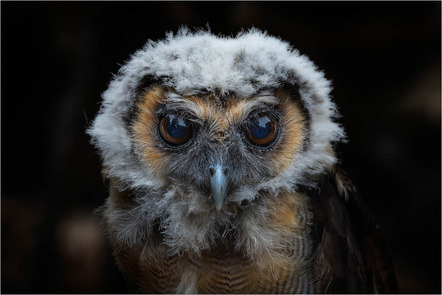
x,y
269,249
267,224
269,240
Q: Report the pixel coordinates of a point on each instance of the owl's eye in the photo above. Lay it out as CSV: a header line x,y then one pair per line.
x,y
262,131
175,130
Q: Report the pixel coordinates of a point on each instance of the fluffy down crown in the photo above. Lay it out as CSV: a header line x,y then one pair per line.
x,y
201,62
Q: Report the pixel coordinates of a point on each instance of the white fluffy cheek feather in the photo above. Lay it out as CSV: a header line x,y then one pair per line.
x,y
188,222
126,227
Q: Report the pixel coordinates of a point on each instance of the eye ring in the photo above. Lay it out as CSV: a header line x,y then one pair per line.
x,y
262,131
174,130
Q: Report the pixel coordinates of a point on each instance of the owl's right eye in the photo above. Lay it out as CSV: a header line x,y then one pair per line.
x,y
175,130
263,131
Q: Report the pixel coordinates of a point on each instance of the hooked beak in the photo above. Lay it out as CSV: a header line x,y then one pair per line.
x,y
218,183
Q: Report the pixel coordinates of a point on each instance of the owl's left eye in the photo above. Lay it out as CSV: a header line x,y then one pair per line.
x,y
175,130
262,131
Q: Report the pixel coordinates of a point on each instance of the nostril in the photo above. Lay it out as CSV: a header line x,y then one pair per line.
x,y
212,171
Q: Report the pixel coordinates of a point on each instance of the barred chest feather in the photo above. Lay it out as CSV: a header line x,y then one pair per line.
x,y
284,266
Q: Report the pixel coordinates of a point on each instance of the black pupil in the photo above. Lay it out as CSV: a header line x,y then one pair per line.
x,y
176,127
261,127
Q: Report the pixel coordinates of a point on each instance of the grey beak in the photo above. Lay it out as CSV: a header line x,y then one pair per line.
x,y
218,183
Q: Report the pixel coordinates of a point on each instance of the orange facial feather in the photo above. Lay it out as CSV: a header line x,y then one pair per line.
x,y
220,117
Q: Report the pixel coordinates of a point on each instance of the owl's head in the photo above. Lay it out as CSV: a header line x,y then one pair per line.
x,y
200,125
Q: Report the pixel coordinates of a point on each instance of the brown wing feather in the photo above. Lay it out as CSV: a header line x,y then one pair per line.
x,y
351,255
379,266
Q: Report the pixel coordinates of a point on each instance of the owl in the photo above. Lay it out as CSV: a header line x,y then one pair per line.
x,y
223,178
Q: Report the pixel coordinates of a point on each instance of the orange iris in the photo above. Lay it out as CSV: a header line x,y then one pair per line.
x,y
175,130
262,131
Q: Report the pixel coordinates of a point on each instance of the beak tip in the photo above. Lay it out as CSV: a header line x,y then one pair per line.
x,y
218,184
219,200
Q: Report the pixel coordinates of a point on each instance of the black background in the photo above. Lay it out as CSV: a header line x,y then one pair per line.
x,y
57,58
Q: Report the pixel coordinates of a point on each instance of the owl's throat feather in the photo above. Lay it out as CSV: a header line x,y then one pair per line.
x,y
267,238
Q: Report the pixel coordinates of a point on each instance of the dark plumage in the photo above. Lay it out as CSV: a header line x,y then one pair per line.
x,y
352,255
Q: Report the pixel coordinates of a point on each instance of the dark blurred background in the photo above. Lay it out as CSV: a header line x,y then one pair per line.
x,y
384,60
